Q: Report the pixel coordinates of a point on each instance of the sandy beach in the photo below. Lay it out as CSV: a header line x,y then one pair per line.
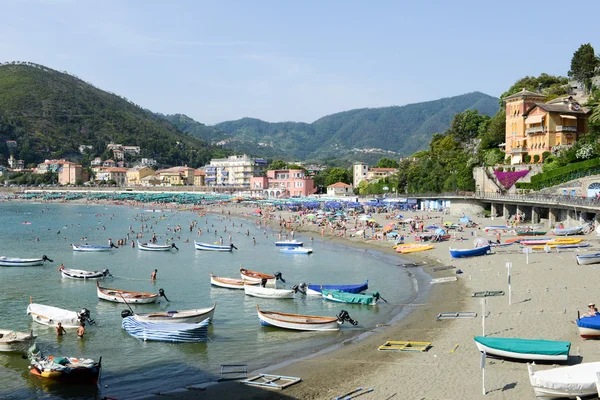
x,y
547,293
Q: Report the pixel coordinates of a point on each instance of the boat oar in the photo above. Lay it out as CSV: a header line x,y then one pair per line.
x,y
127,304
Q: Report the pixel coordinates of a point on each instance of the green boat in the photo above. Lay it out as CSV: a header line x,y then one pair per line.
x,y
531,233
350,298
524,349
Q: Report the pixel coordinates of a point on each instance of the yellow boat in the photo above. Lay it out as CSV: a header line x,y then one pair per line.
x,y
565,241
412,248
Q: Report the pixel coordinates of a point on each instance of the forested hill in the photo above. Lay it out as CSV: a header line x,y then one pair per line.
x,y
50,114
362,134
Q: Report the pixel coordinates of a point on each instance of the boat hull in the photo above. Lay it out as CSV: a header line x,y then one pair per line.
x,y
587,259
572,381
268,293
51,316
519,356
289,243
20,262
348,298
257,277
79,274
477,251
228,283
315,290
211,247
178,317
16,342
297,322
296,250
161,332
153,247
91,249
123,296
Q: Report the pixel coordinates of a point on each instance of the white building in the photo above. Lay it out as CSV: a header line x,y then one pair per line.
x,y
359,173
234,170
340,189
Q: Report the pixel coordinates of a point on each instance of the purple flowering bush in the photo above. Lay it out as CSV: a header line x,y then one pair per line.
x,y
509,178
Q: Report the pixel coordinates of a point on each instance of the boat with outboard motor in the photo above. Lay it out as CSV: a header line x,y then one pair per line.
x,y
126,296
174,317
229,283
289,243
257,277
299,322
81,274
213,247
269,292
146,246
23,262
88,248
315,290
296,250
16,342
351,298
66,369
165,332
51,316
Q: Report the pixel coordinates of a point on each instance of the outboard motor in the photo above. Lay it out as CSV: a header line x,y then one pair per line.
x,y
106,272
84,315
377,296
263,282
278,277
112,246
343,316
44,258
176,248
161,292
295,288
232,246
126,313
302,288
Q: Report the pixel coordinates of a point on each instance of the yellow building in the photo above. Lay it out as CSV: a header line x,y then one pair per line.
x,y
177,175
136,174
199,178
534,127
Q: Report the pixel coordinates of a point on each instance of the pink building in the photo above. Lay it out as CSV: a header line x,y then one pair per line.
x,y
284,183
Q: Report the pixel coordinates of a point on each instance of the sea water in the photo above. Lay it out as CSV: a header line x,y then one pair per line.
x,y
132,367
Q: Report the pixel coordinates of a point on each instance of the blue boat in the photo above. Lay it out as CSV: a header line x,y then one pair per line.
x,y
289,243
315,290
296,250
166,332
477,251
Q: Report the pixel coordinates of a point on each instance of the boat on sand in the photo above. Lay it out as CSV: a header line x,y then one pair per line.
x,y
572,381
524,349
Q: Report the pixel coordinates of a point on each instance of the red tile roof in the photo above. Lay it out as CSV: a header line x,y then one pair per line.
x,y
339,185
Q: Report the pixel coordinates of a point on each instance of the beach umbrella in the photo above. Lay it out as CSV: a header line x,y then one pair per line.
x,y
388,228
310,216
371,220
440,231
480,242
258,210
363,218
392,234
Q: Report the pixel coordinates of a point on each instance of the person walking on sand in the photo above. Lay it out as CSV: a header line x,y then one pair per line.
x,y
153,275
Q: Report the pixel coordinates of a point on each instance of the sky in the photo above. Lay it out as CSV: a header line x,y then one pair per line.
x,y
294,60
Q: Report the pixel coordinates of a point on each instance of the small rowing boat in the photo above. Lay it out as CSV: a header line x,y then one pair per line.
x,y
67,369
51,316
156,247
296,250
524,349
229,283
88,248
568,231
174,317
586,259
257,277
463,253
269,293
299,322
413,248
82,274
289,243
315,290
22,262
572,381
163,332
125,296
16,342
589,326
530,233
212,247
350,298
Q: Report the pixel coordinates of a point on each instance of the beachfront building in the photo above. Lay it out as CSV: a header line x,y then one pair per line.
x,y
199,178
177,176
68,172
234,170
284,183
135,175
119,175
152,180
340,189
361,172
534,127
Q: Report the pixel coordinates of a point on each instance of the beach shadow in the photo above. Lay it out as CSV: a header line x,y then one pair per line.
x,y
524,301
504,388
574,360
496,333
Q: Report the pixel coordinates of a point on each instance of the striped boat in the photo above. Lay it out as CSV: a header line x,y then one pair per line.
x,y
88,248
165,332
212,247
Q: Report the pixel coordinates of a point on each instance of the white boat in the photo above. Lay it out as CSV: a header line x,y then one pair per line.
x,y
161,332
51,316
156,247
16,342
257,277
587,259
523,349
174,317
88,248
269,293
575,380
22,262
129,297
229,283
297,322
289,243
212,247
296,250
83,274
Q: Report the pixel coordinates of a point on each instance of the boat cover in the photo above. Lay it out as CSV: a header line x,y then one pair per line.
x,y
354,298
526,346
166,332
342,288
580,378
589,322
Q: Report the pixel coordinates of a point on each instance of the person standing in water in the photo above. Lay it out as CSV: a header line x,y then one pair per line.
x,y
153,275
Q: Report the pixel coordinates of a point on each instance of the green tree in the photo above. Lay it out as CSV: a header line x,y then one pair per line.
x,y
494,132
583,65
387,163
546,84
277,164
337,174
466,125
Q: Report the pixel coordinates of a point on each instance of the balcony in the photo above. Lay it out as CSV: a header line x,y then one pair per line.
x,y
518,150
566,128
535,129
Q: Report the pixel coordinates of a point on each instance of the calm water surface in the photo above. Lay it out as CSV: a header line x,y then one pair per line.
x,y
132,367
